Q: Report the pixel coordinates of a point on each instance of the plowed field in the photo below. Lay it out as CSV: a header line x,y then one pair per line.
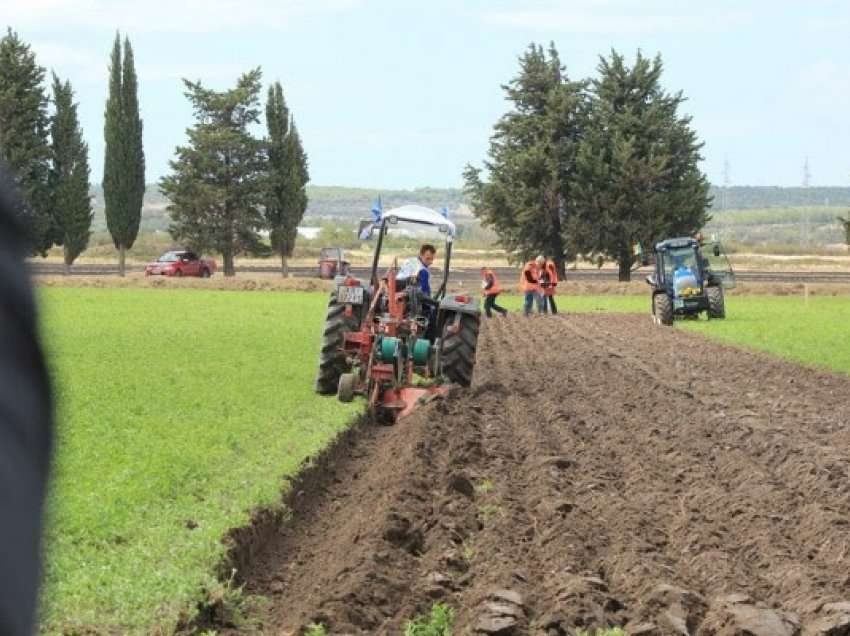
x,y
601,471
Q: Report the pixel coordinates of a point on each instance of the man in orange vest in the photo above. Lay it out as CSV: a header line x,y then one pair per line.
x,y
490,288
529,283
548,282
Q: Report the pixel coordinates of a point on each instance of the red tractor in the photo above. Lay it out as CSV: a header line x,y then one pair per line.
x,y
332,263
387,340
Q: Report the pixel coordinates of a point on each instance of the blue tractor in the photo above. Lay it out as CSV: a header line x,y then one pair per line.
x,y
686,282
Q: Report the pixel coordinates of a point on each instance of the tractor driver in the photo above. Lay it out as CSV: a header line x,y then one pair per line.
x,y
415,272
416,269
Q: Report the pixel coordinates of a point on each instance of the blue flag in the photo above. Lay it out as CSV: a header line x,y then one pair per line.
x,y
377,209
444,211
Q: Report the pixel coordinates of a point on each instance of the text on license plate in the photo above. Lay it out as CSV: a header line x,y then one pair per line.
x,y
349,295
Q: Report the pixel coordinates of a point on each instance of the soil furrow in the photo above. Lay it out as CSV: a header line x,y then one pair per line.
x,y
601,471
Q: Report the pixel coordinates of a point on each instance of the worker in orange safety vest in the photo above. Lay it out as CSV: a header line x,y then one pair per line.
x,y
529,283
490,288
548,282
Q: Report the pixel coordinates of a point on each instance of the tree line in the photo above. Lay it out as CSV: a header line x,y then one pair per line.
x,y
226,186
589,168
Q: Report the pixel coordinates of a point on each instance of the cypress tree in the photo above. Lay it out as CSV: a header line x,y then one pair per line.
x,y
69,175
124,165
23,138
298,178
217,185
638,175
528,198
286,178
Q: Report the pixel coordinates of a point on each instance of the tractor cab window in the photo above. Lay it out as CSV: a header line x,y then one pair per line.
x,y
680,260
682,271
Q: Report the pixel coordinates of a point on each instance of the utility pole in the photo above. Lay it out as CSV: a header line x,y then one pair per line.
x,y
807,179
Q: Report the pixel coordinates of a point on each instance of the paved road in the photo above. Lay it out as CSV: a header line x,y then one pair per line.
x,y
504,273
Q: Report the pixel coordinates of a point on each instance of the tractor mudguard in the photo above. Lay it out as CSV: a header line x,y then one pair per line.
x,y
461,303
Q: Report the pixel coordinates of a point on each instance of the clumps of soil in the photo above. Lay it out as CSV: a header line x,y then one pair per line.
x,y
600,472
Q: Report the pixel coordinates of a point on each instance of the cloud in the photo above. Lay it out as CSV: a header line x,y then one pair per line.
x,y
606,17
828,24
69,61
825,84
187,16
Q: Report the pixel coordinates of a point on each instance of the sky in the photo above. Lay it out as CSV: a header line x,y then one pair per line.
x,y
403,94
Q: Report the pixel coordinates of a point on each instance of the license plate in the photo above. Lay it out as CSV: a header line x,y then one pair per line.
x,y
349,295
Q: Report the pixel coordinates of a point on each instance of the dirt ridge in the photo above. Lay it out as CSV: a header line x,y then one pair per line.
x,y
601,471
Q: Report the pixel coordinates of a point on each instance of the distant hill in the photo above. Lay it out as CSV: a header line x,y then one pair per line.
x,y
325,202
749,197
775,205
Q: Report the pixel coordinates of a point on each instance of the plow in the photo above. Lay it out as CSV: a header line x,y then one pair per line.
x,y
387,339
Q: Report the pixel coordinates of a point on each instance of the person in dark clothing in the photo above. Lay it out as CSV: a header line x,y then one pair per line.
x,y
25,427
491,290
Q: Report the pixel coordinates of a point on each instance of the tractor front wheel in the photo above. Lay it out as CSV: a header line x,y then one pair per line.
x,y
662,308
716,303
345,388
332,362
458,344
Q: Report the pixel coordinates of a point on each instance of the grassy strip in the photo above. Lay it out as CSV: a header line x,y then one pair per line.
x,y
815,333
585,304
178,414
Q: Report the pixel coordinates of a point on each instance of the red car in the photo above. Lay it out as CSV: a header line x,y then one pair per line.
x,y
183,263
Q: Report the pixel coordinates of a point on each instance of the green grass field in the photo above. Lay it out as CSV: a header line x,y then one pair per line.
x,y
178,413
814,333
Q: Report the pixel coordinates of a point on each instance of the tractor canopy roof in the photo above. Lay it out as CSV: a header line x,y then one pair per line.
x,y
676,243
421,215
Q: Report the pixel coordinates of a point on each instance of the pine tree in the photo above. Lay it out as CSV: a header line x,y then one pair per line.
x,y
23,137
217,184
637,166
528,198
124,165
69,175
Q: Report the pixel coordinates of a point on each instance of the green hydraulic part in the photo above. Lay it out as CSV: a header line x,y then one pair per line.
x,y
421,352
389,348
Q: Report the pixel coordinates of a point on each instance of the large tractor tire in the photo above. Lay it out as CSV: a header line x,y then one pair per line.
x,y
332,363
716,303
662,308
457,350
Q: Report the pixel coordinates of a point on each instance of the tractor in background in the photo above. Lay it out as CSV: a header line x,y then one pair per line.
x,y
332,263
387,340
686,283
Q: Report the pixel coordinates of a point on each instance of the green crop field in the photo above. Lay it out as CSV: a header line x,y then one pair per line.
x,y
178,412
815,333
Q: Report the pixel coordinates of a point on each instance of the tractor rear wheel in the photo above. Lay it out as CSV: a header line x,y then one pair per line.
x,y
662,307
332,362
716,302
457,350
